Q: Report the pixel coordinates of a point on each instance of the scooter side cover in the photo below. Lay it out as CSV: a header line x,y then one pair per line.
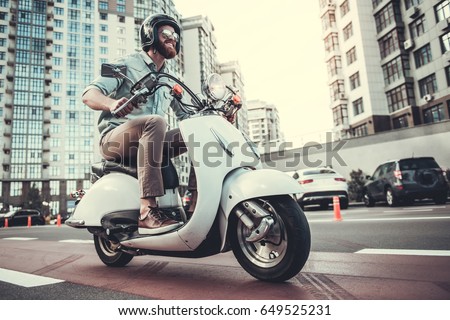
x,y
112,193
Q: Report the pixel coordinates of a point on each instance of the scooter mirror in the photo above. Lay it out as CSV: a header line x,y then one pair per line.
x,y
113,71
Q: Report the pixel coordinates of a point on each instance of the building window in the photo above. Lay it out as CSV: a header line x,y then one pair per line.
x,y
331,42
428,85
417,28
354,81
328,20
434,114
345,8
16,189
385,17
423,56
103,5
396,69
351,56
340,115
348,31
337,88
389,43
400,122
442,10
54,188
334,66
412,3
400,97
445,42
358,107
360,131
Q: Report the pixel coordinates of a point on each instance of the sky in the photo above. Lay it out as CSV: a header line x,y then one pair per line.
x,y
280,50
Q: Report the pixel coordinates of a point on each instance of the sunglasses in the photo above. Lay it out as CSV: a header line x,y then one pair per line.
x,y
167,34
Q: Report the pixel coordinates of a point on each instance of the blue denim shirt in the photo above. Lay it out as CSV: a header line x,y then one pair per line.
x,y
138,65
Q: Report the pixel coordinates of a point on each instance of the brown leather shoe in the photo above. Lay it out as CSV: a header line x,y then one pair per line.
x,y
155,222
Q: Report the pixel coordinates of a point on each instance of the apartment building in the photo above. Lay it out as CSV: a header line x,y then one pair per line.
x,y
232,75
264,124
388,63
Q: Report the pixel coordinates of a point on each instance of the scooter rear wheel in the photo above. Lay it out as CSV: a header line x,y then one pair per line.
x,y
284,251
108,254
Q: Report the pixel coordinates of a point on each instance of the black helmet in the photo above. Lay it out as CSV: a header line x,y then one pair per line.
x,y
150,27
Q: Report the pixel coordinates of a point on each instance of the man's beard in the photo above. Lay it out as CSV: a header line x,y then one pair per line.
x,y
167,52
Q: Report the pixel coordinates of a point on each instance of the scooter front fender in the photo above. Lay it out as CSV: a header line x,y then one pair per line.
x,y
246,184
112,193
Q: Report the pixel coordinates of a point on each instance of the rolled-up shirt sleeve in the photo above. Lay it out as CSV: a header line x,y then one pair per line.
x,y
105,85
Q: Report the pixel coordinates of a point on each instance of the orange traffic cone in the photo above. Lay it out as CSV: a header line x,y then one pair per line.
x,y
29,221
58,220
337,209
6,223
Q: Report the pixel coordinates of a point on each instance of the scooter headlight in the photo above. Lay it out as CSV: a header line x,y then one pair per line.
x,y
214,87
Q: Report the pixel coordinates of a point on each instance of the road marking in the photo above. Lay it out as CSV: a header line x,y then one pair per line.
x,y
445,253
403,211
20,238
379,219
25,279
77,241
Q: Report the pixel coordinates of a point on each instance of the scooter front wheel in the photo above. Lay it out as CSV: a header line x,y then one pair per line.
x,y
108,253
283,252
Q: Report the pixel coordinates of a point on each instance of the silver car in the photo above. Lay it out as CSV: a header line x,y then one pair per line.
x,y
320,186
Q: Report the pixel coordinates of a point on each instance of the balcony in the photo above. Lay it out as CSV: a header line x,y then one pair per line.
x,y
7,131
6,149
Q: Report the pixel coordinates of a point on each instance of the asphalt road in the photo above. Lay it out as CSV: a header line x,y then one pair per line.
x,y
376,253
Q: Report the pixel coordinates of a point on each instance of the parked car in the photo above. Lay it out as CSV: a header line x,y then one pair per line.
x,y
320,186
405,180
20,218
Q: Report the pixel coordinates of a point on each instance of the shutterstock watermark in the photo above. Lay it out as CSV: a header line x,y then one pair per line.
x,y
311,154
221,152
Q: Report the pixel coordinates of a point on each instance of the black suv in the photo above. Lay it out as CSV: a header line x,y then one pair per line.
x,y
405,180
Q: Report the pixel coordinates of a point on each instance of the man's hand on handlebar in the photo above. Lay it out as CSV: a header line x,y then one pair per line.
x,y
120,102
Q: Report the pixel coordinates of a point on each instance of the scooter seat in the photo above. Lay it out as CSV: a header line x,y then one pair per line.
x,y
105,167
168,171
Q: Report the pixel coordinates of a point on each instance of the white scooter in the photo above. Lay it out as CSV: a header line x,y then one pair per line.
x,y
240,206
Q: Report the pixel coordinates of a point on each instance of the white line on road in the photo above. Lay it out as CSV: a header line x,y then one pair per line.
x,y
25,279
378,219
445,253
403,211
20,238
76,241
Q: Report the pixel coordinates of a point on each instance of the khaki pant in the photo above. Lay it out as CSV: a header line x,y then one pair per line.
x,y
143,141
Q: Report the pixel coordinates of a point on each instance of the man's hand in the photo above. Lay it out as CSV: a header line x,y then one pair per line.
x,y
231,119
117,104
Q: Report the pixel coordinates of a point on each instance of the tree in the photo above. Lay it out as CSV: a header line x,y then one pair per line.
x,y
356,185
33,199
